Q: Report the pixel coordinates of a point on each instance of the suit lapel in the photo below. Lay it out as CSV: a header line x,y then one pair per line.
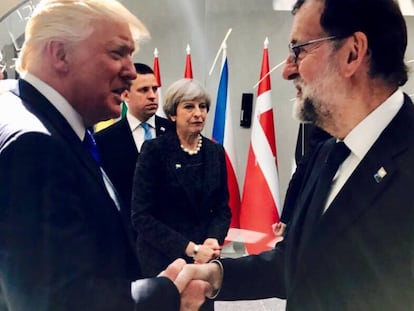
x,y
362,190
58,125
126,143
313,170
211,168
177,161
370,179
160,126
125,132
312,176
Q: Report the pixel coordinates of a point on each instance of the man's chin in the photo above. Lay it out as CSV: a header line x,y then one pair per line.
x,y
297,110
114,112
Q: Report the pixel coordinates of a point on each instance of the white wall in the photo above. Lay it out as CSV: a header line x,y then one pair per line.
x,y
203,24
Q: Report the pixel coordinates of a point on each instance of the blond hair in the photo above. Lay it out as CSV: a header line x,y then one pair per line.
x,y
71,20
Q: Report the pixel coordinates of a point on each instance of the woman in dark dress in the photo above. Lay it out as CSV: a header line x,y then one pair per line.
x,y
180,196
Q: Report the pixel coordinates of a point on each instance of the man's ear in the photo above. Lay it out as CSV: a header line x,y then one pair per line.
x,y
125,95
57,55
357,52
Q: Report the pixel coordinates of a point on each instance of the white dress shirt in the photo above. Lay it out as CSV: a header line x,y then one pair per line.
x,y
138,131
72,116
361,139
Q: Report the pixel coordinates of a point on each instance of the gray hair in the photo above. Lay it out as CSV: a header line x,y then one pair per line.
x,y
70,20
184,90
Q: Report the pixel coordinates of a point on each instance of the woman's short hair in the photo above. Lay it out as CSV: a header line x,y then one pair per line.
x,y
184,90
71,21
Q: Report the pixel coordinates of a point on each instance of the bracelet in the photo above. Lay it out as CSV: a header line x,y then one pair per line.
x,y
196,249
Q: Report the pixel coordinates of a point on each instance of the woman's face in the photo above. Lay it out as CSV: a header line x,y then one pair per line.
x,y
190,117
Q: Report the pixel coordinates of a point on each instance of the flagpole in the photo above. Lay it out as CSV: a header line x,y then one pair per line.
x,y
219,50
270,71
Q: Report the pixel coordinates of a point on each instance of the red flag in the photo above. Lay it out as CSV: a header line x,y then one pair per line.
x,y
156,68
260,200
188,72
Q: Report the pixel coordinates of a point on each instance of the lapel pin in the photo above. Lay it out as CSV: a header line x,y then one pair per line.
x,y
380,174
162,129
177,166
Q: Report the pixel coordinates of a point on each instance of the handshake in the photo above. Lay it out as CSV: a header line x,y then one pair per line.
x,y
194,282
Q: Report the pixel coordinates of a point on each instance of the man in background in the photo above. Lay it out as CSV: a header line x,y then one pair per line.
x,y
120,143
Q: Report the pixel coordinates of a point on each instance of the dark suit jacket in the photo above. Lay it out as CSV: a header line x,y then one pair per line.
x,y
63,243
164,213
309,137
119,153
360,256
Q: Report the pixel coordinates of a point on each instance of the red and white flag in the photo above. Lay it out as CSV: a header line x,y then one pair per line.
x,y
156,68
188,72
261,200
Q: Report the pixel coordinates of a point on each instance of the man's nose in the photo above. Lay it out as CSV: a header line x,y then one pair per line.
x,y
290,69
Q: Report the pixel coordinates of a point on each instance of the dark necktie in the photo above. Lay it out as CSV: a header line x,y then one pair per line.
x,y
90,143
338,153
147,130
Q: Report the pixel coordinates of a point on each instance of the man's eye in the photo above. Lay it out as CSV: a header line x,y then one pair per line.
x,y
297,50
143,90
116,54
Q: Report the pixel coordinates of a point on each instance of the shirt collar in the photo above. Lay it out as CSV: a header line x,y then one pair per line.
x,y
59,102
364,135
134,122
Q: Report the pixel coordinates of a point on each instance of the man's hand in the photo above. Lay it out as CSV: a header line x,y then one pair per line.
x,y
210,273
173,269
193,292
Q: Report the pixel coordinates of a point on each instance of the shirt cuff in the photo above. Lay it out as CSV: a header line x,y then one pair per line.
x,y
217,291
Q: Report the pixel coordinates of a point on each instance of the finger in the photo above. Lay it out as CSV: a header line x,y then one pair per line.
x,y
173,269
194,295
212,243
188,273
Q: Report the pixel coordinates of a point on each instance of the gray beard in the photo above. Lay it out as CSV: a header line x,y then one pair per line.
x,y
308,113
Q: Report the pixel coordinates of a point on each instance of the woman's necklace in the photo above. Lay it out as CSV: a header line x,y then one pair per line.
x,y
196,150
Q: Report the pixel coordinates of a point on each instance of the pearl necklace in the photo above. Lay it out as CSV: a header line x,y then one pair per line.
x,y
196,150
